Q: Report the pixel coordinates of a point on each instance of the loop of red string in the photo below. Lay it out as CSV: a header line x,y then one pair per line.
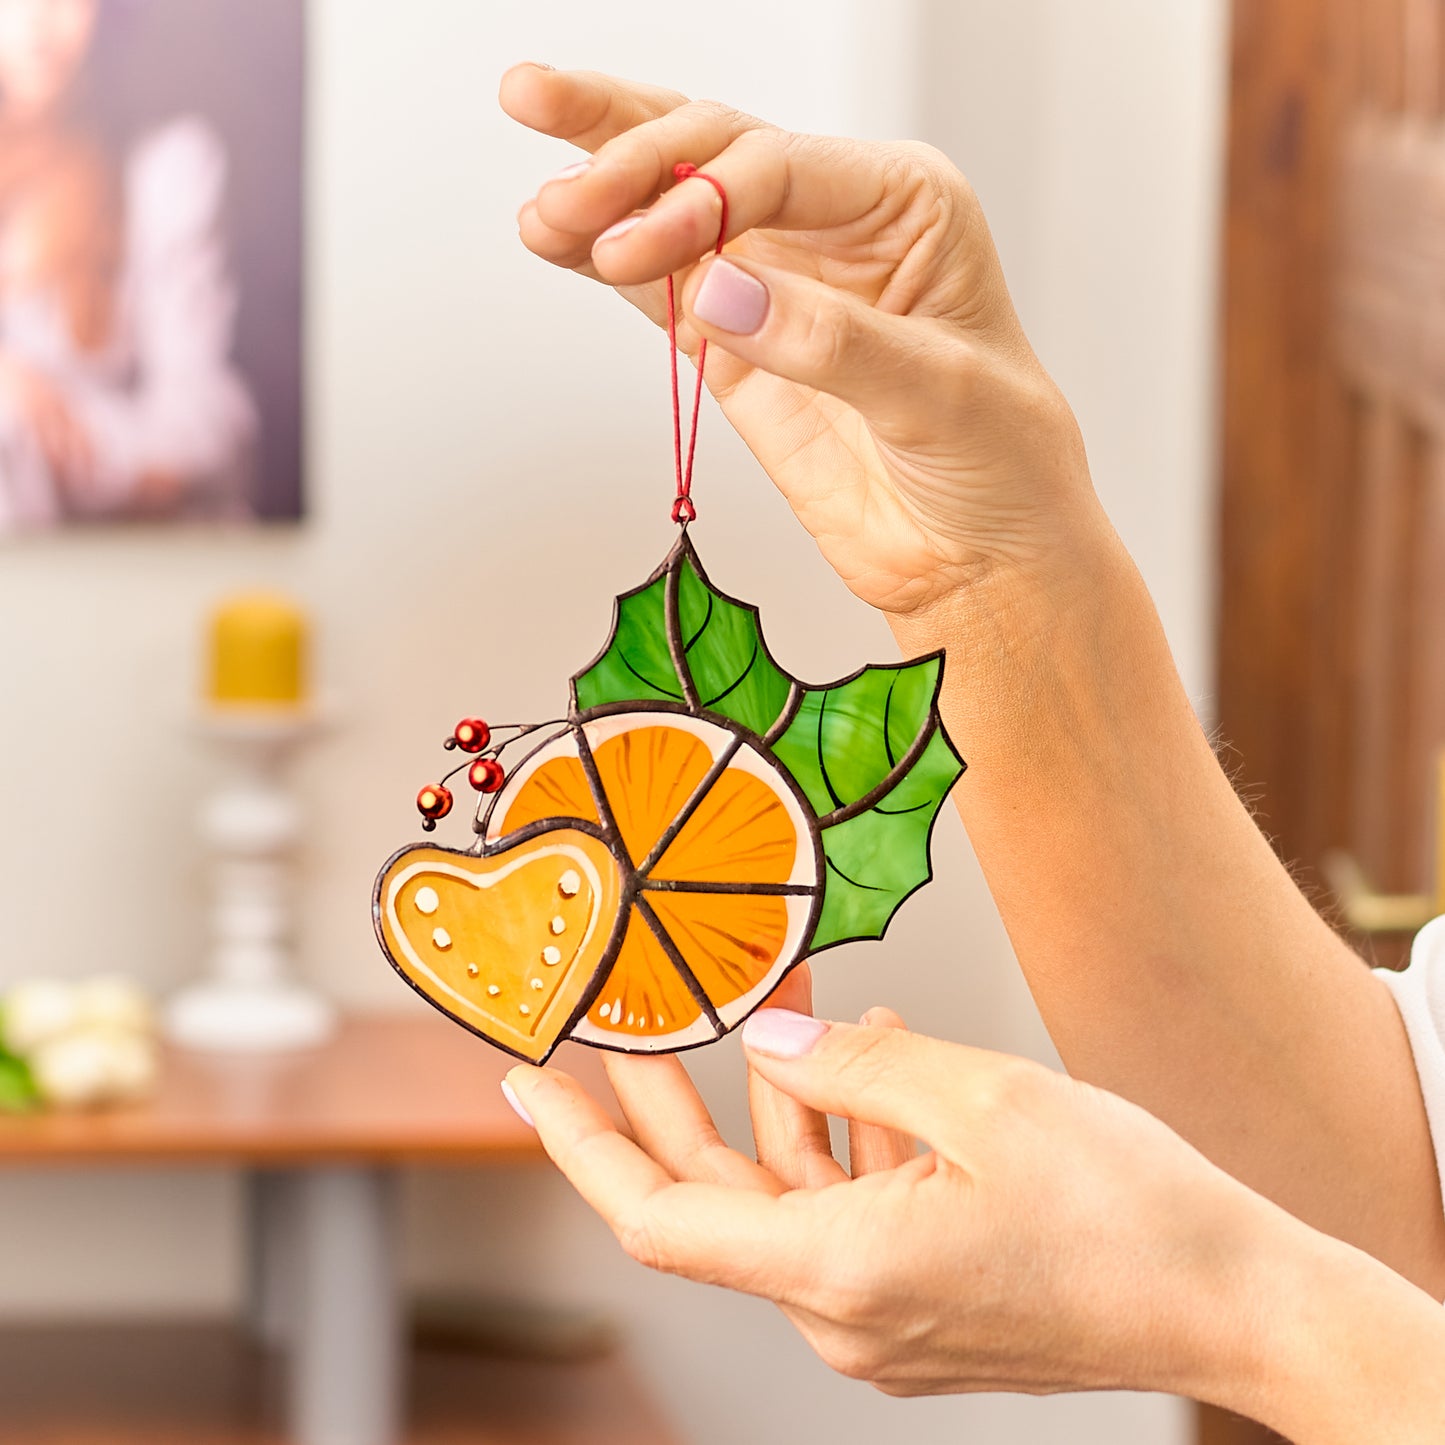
x,y
683,510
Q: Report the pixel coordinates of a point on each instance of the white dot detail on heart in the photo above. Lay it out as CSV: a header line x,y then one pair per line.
x,y
551,955
426,900
441,938
492,990
569,885
538,984
606,1010
558,926
472,970
524,1009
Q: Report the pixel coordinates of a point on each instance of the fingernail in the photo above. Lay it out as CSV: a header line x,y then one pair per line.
x,y
782,1033
621,228
569,173
730,299
510,1095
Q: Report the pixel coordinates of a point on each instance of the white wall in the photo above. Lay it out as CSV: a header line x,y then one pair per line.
x,y
1093,134
490,462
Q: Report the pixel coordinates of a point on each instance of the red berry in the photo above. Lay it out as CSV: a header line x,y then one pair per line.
x,y
472,734
486,775
434,801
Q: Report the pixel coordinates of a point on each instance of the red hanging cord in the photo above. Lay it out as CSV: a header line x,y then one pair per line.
x,y
683,510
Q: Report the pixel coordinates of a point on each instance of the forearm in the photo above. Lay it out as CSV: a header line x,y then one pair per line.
x,y
1172,957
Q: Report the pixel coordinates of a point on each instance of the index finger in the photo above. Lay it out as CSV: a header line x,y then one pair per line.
x,y
739,1238
582,106
921,1087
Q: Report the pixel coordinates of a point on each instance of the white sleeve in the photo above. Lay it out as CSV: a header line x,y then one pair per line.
x,y
1420,995
187,413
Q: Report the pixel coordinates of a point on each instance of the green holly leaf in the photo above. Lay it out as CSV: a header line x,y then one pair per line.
x,y
871,756
677,639
844,740
724,653
876,858
869,753
636,665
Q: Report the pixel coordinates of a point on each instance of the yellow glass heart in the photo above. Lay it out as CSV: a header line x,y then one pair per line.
x,y
506,943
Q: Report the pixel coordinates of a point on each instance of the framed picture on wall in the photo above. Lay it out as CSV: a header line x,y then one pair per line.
x,y
151,243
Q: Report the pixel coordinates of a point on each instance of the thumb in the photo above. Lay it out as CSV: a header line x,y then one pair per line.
x,y
908,1082
887,367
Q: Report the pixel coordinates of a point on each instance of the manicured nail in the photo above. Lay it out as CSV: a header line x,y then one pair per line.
x,y
621,228
569,173
510,1095
782,1033
730,299
539,65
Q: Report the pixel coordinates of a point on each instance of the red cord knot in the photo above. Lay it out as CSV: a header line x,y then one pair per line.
x,y
685,171
683,511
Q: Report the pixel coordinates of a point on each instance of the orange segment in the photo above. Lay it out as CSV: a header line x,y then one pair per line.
x,y
648,774
740,833
557,789
644,994
730,941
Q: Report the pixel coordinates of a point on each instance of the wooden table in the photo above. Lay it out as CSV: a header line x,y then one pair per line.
x,y
321,1135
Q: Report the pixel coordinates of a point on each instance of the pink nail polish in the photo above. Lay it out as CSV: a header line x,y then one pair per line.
x,y
510,1095
569,173
782,1033
621,228
731,300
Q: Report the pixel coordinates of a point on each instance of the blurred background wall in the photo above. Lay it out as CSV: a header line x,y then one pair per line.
x,y
489,463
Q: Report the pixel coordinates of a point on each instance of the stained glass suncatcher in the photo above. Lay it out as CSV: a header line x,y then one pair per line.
x,y
646,869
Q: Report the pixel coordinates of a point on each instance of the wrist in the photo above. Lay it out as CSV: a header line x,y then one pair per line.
x,y
1054,667
1329,1346
1003,601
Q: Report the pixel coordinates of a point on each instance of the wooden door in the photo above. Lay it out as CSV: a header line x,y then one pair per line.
x,y
1331,650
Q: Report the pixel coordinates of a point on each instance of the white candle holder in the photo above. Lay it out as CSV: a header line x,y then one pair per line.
x,y
249,999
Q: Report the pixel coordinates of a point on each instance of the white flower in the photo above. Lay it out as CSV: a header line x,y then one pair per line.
x,y
40,1009
94,1066
133,1068
73,1071
111,1001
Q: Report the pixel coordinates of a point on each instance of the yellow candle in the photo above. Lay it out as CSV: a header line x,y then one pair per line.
x,y
258,652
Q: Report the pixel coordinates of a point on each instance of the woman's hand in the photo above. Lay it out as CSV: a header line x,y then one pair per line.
x,y
1045,1242
1054,1237
861,336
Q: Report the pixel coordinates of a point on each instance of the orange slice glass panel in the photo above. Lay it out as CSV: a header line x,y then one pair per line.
x,y
644,994
648,774
741,832
558,789
730,941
